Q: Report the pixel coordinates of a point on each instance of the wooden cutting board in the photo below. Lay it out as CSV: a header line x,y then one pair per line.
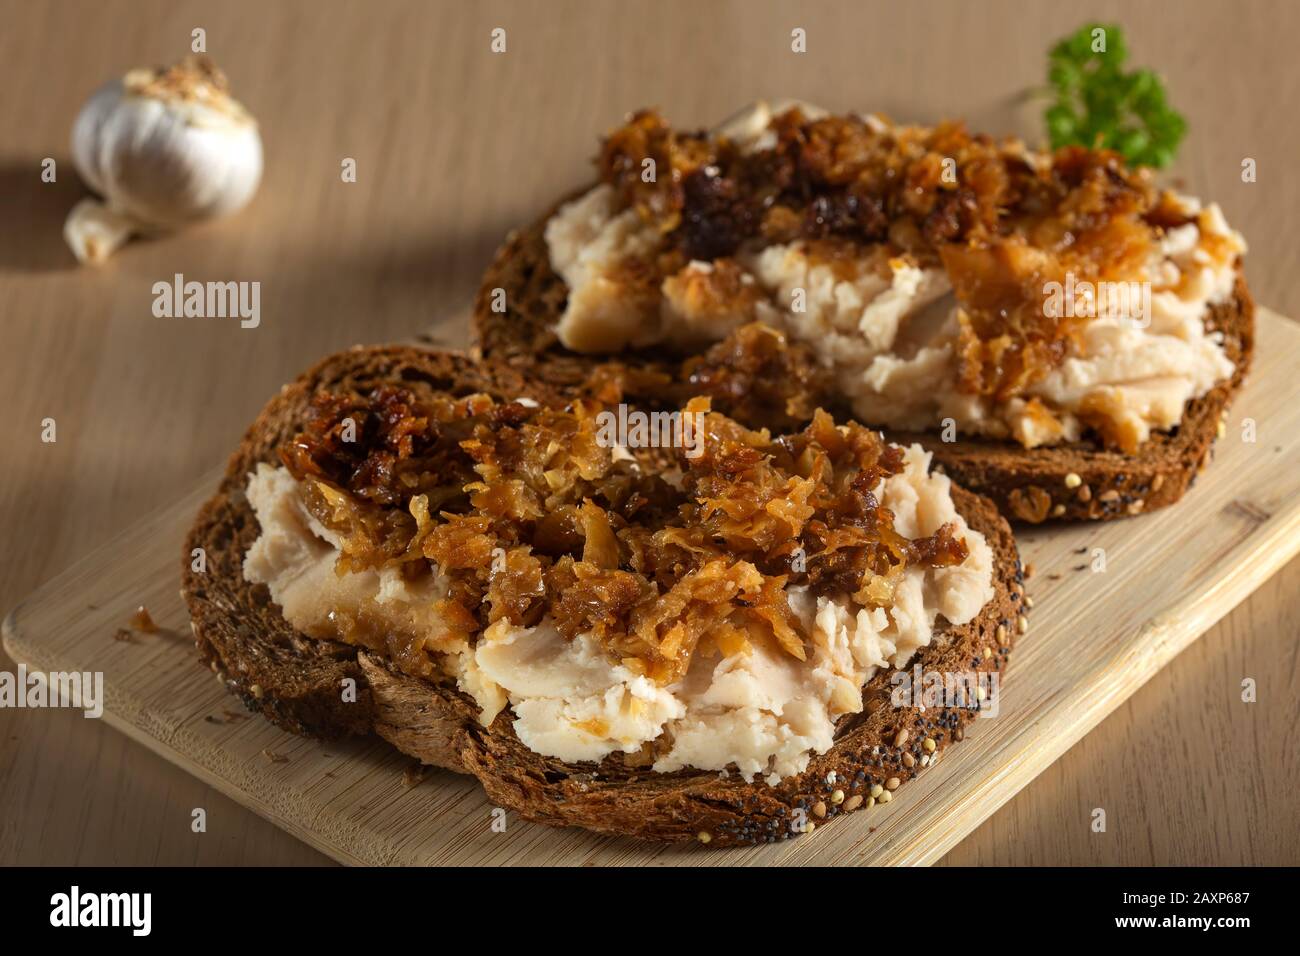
x,y
1095,637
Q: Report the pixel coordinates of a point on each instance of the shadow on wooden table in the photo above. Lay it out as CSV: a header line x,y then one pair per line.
x,y
373,287
35,211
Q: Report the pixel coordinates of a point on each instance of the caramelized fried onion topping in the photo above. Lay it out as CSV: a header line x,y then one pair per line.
x,y
1001,221
526,512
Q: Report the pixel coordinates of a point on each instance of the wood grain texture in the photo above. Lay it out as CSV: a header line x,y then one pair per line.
x,y
1112,607
454,146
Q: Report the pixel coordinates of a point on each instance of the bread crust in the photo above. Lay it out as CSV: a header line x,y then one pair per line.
x,y
296,681
1028,485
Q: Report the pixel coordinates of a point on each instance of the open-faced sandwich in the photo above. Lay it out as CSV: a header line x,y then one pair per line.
x,y
1059,333
675,628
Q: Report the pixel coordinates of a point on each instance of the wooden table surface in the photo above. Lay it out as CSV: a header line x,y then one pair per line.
x,y
454,145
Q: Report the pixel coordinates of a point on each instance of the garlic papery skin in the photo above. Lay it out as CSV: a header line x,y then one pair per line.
x,y
164,148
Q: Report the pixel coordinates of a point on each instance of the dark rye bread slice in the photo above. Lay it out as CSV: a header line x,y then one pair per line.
x,y
884,746
1029,485
295,681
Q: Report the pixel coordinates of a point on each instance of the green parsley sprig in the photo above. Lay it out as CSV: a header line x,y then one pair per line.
x,y
1098,104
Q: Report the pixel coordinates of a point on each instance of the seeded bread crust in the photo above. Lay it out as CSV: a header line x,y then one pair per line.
x,y
296,681
1030,485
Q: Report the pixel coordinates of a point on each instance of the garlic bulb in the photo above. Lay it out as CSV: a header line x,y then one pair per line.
x,y
164,148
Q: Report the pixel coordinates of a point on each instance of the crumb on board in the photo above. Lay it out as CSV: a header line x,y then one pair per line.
x,y
274,757
413,776
143,621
